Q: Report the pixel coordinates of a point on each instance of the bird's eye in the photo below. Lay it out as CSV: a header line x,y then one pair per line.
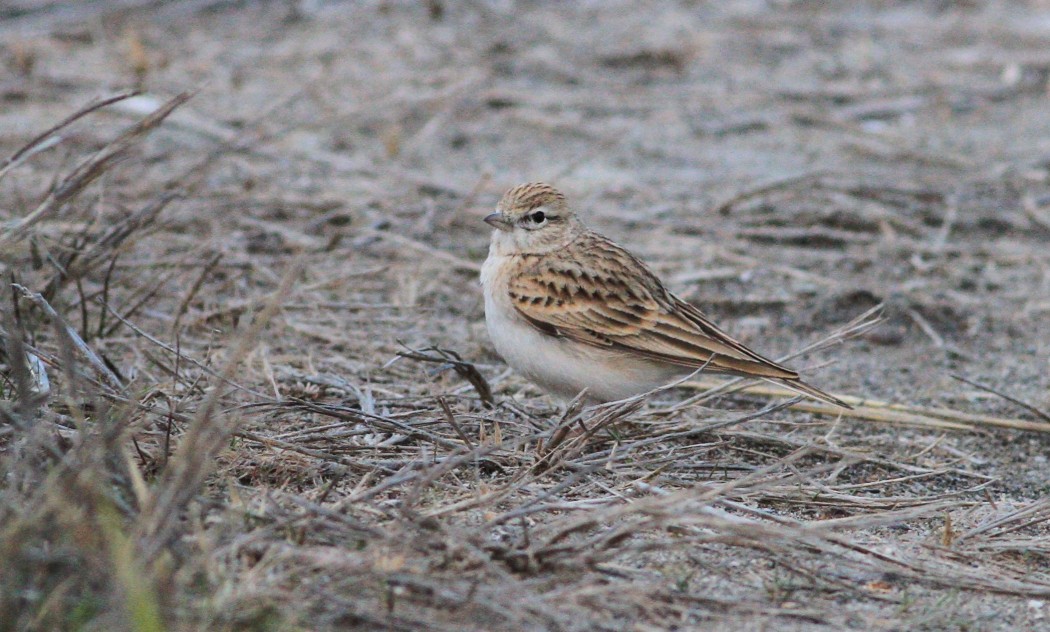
x,y
538,217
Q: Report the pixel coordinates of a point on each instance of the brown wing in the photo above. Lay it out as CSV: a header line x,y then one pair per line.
x,y
604,296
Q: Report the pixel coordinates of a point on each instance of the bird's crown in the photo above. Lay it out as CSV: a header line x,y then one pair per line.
x,y
524,198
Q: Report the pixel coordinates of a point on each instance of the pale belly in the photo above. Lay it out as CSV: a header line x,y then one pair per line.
x,y
563,367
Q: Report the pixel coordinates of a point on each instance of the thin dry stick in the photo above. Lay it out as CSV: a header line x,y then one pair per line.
x,y
112,239
1013,400
178,354
185,304
464,369
451,418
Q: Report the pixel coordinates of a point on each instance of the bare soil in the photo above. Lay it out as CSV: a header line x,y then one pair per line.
x,y
242,443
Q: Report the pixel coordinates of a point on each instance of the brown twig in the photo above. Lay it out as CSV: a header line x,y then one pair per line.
x,y
452,360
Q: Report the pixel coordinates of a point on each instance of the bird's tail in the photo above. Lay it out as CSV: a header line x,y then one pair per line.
x,y
802,388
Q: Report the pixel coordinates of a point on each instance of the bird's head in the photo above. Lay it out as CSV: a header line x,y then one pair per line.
x,y
532,218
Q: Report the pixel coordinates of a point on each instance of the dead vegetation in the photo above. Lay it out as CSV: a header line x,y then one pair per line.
x,y
242,384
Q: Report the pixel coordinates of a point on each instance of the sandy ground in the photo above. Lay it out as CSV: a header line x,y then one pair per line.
x,y
784,165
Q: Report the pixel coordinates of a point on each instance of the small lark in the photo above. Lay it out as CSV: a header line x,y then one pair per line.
x,y
571,310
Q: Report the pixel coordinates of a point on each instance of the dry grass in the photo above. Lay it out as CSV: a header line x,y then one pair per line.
x,y
241,385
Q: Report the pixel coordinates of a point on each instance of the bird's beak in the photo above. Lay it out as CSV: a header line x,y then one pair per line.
x,y
497,221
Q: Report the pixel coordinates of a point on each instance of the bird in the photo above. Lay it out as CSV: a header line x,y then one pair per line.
x,y
574,312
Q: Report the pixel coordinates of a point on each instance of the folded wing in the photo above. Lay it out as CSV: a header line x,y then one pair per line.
x,y
608,298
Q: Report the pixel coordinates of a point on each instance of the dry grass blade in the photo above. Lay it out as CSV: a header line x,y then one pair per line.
x,y
73,337
859,325
1026,516
89,170
19,361
105,247
38,143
